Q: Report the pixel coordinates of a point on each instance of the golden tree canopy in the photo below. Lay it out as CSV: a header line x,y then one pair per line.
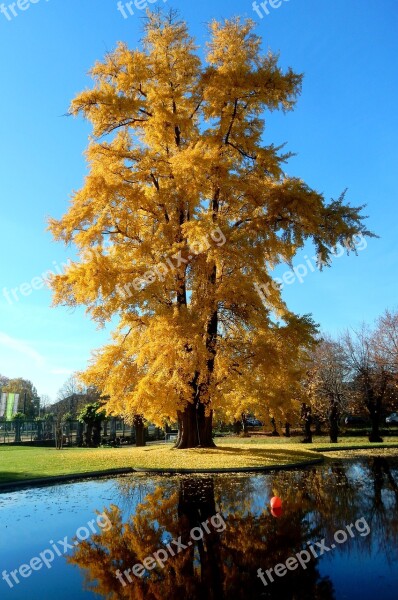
x,y
185,208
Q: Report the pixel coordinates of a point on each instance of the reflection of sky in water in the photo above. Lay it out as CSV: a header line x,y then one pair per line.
x,y
30,519
356,578
362,568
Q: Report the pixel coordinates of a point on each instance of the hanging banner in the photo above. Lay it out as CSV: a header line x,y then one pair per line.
x,y
16,402
3,402
10,406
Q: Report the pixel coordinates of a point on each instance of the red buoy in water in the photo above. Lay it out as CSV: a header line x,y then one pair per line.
x,y
276,502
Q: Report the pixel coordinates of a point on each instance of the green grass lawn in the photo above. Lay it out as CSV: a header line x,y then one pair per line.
x,y
18,463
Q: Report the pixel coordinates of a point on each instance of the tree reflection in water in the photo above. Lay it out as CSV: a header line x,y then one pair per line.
x,y
316,503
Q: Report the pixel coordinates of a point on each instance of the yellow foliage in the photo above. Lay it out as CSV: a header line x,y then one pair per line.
x,y
176,155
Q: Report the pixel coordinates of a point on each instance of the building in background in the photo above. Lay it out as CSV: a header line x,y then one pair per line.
x,y
72,404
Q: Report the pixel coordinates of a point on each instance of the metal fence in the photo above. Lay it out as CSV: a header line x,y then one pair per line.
x,y
113,431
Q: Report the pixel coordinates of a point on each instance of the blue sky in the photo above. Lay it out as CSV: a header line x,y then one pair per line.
x,y
343,130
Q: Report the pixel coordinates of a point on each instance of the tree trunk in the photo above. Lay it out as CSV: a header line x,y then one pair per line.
x,y
334,423
308,432
334,432
245,426
97,433
194,428
80,431
88,435
112,435
58,436
17,431
374,406
307,424
375,433
139,431
237,427
274,428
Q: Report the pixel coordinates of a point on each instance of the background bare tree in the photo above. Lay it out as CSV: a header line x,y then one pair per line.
x,y
70,387
368,372
386,342
3,381
327,384
45,401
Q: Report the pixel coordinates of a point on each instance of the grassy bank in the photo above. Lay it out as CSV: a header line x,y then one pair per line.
x,y
19,463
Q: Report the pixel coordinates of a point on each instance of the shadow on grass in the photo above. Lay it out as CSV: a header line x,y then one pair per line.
x,y
250,456
233,450
261,454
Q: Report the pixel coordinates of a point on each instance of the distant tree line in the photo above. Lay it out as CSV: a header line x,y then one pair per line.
x,y
355,374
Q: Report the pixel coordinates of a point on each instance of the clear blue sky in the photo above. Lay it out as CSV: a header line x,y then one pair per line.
x,y
344,130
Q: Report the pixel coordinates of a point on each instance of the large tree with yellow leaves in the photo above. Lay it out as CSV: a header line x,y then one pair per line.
x,y
186,208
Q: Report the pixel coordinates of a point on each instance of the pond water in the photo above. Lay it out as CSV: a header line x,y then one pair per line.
x,y
336,536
